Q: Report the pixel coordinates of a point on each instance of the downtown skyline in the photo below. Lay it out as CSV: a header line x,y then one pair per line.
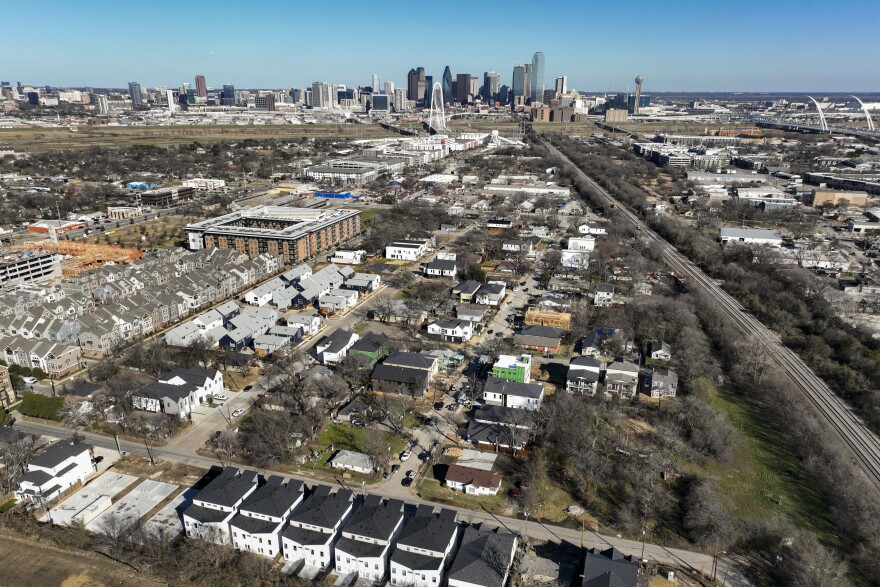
x,y
748,47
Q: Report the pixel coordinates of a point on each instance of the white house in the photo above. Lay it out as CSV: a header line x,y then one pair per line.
x,y
513,394
406,250
604,295
214,506
179,391
257,526
348,257
472,481
314,527
262,294
208,320
424,548
338,300
592,228
367,537
491,294
55,470
334,347
440,268
583,375
621,379
349,460
659,350
474,566
586,243
452,330
753,236
310,324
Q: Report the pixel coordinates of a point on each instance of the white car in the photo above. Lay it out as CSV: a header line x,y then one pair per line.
x,y
30,380
405,455
238,412
220,397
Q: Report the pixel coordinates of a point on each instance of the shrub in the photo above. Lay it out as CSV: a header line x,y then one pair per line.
x,y
40,406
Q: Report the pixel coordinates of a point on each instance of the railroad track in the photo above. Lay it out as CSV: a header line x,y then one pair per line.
x,y
861,442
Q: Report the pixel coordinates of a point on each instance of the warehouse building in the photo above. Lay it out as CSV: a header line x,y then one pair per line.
x,y
294,233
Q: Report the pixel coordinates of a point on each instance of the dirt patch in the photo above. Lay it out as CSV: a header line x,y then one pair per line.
x,y
29,562
164,471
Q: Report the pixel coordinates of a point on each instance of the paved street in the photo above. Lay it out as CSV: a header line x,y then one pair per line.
x,y
698,562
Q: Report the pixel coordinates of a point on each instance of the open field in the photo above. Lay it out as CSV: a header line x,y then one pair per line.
x,y
31,562
766,478
160,234
47,139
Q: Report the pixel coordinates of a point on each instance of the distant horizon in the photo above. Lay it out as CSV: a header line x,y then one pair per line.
x,y
694,49
780,93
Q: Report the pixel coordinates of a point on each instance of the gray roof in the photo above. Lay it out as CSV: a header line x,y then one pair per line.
x,y
728,232
336,341
543,331
228,487
584,363
609,568
58,453
253,525
605,287
468,287
441,265
411,360
514,388
274,498
404,375
491,289
159,390
194,375
480,549
428,530
376,518
322,508
206,515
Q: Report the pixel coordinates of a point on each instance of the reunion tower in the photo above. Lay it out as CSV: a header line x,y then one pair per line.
x,y
639,80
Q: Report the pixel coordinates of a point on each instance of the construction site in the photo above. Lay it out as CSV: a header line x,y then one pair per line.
x,y
79,257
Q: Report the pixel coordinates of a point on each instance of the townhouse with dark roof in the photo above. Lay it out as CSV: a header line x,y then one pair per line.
x,y
257,525
367,538
214,506
314,528
424,548
483,559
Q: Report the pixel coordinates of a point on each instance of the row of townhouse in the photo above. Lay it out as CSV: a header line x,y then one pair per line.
x,y
621,378
111,306
55,359
368,538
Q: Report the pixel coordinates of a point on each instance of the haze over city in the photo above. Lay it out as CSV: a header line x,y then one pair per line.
x,y
685,46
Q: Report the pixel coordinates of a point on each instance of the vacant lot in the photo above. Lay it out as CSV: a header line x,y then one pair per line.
x,y
28,562
160,234
47,139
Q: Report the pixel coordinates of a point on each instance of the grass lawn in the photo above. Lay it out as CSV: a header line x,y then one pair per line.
x,y
432,490
7,506
367,214
160,234
766,477
343,437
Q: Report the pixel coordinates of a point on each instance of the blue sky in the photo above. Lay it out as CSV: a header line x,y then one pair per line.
x,y
682,45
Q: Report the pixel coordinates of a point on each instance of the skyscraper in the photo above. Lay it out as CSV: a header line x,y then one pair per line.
x,y
519,79
400,101
429,85
561,85
446,84
466,87
537,76
491,85
201,87
375,84
415,82
389,88
323,95
137,98
228,97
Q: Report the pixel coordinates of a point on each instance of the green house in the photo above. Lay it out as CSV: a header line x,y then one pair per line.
x,y
512,368
372,347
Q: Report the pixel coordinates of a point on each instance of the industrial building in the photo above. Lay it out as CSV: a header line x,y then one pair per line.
x,y
166,197
294,233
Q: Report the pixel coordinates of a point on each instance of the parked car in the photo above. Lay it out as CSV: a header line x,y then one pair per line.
x,y
248,387
429,421
405,455
424,456
406,482
410,474
438,405
29,380
238,412
395,468
220,397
